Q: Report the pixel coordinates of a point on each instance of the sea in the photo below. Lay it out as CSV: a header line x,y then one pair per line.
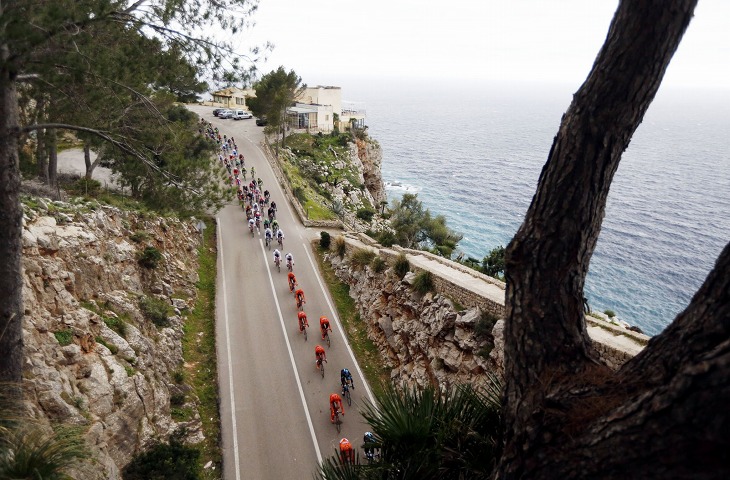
x,y
473,152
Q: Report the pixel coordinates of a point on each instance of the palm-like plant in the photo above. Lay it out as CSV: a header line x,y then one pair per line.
x,y
429,434
31,450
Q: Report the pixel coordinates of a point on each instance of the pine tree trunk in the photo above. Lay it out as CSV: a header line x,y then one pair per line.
x,y
41,154
52,138
11,216
566,416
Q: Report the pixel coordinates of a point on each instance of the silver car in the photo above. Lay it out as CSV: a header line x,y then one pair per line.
x,y
226,114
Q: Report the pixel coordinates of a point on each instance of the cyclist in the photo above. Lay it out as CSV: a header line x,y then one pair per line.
x,y
320,355
251,223
299,296
324,325
274,225
273,206
267,224
280,237
255,207
257,217
369,445
269,235
335,403
289,261
248,212
253,172
292,281
277,256
345,378
347,454
302,321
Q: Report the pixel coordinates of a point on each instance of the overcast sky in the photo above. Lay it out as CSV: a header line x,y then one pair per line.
x,y
326,41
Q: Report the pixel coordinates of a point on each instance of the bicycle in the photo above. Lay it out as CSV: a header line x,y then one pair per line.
x,y
338,421
268,242
277,260
303,328
346,394
290,265
326,337
250,227
300,304
320,365
281,242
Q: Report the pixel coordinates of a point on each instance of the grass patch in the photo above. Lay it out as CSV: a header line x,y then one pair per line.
x,y
340,246
200,351
64,337
401,266
156,310
378,265
116,324
423,282
361,257
367,353
112,348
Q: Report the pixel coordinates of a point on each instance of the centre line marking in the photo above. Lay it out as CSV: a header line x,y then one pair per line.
x,y
291,357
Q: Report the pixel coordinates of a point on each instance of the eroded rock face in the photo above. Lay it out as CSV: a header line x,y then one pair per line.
x,y
426,341
91,357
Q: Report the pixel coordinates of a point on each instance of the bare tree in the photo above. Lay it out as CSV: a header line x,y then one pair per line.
x,y
665,413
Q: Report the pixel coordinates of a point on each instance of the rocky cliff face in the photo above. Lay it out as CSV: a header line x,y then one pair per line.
x,y
91,357
426,340
369,157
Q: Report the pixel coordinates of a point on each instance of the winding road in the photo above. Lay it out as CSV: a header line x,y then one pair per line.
x,y
274,403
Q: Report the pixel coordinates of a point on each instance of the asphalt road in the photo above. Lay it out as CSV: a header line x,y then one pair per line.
x,y
274,403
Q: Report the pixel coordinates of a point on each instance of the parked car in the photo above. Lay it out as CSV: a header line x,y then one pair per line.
x,y
241,115
261,121
226,114
217,111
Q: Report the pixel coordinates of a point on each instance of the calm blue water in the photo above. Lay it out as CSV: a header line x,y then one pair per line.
x,y
474,154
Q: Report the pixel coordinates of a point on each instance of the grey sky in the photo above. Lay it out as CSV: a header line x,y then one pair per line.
x,y
516,40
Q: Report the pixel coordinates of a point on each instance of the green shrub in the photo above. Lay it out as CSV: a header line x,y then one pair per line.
x,y
362,257
177,399
423,282
340,246
64,337
178,376
84,186
116,324
324,240
150,257
156,310
386,238
609,313
378,264
365,214
139,236
401,266
165,461
299,194
483,327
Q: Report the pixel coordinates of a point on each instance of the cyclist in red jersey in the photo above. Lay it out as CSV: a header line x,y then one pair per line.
x,y
324,325
335,403
299,296
302,321
292,281
347,454
320,355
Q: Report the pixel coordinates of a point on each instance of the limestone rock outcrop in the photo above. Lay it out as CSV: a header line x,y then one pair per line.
x,y
91,356
424,338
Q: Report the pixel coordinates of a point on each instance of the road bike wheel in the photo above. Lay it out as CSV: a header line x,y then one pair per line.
x,y
338,422
305,333
321,368
348,397
327,337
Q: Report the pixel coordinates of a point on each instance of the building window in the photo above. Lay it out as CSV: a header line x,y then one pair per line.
x,y
326,118
240,101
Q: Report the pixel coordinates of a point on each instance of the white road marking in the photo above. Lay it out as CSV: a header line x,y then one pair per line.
x,y
228,354
291,357
339,325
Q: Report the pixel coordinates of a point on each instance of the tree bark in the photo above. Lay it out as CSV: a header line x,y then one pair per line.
x,y
11,217
90,166
565,415
52,138
41,154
